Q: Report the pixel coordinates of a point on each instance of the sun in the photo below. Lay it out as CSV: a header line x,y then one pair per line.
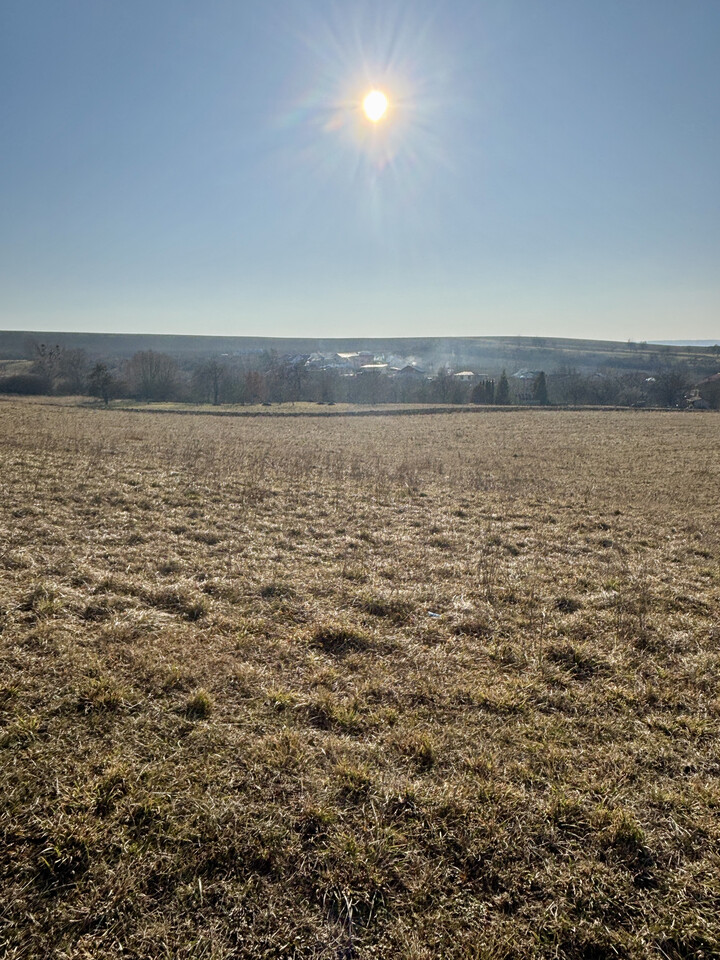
x,y
375,105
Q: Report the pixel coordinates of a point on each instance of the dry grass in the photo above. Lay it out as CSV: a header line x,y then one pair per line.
x,y
409,687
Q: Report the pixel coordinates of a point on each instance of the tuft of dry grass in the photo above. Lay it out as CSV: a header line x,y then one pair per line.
x,y
199,706
406,686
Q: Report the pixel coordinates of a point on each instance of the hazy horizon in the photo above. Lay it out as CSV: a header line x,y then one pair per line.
x,y
542,171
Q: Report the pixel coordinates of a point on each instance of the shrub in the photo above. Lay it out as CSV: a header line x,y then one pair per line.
x,y
26,384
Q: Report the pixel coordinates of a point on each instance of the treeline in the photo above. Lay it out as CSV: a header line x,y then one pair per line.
x,y
266,378
249,379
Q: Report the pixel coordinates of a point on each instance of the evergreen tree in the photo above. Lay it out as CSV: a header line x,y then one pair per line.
x,y
502,393
478,394
101,383
483,392
540,394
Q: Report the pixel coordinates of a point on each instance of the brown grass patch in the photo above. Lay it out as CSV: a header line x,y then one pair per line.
x,y
406,686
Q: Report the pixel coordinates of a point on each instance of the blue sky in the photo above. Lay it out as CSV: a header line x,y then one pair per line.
x,y
546,168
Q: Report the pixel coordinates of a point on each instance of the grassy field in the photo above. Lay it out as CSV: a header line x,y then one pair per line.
x,y
408,687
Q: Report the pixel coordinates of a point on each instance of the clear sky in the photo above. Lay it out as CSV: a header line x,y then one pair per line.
x,y
546,167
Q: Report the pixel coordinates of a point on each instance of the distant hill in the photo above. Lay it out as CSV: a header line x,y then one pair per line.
x,y
688,343
480,354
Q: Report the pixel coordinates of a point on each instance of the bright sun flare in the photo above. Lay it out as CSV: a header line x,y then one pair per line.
x,y
375,105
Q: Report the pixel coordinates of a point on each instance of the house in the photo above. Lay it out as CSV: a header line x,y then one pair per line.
x,y
709,389
410,372
316,361
295,359
357,358
351,359
396,361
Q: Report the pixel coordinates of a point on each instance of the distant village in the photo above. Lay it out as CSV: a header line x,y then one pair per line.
x,y
392,365
352,363
265,376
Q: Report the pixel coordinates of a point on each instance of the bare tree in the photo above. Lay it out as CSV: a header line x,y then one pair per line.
x,y
46,361
152,376
669,388
73,366
210,379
